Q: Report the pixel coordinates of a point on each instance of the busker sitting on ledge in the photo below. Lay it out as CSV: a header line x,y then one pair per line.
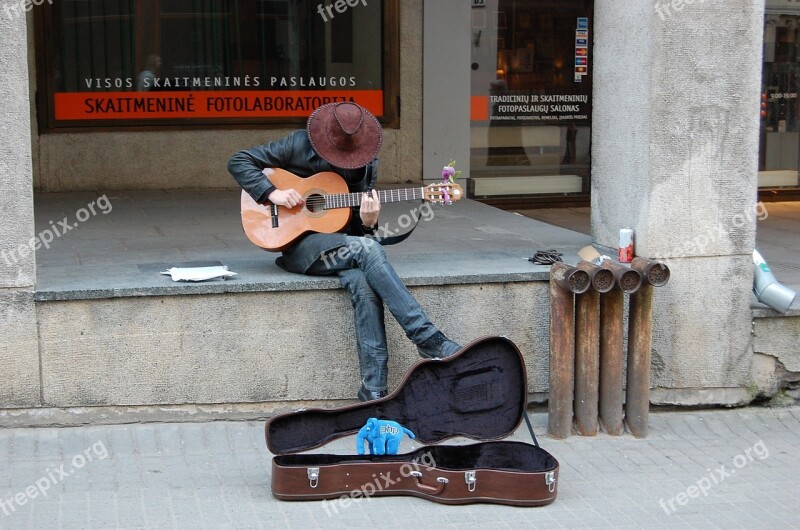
x,y
345,138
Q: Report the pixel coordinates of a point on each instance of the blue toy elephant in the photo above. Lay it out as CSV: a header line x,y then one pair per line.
x,y
383,435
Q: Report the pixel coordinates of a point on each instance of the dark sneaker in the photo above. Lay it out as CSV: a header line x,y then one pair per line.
x,y
369,395
437,347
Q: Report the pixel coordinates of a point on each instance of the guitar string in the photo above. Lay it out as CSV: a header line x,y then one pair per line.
x,y
356,197
353,199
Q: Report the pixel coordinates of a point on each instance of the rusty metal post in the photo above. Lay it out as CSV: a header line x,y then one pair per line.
x,y
602,277
611,346
564,282
628,280
611,312
640,344
587,362
655,273
587,348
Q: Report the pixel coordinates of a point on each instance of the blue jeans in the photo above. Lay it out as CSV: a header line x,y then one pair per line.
x,y
371,282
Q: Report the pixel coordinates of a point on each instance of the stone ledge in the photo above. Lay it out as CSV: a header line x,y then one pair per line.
x,y
122,281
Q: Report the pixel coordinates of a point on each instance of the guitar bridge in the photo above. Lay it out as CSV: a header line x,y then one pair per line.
x,y
274,211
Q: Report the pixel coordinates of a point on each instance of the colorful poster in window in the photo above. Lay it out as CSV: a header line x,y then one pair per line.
x,y
581,48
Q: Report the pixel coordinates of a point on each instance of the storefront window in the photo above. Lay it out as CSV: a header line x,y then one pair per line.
x,y
190,62
531,98
779,154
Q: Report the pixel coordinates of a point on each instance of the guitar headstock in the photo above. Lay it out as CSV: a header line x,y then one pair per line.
x,y
443,192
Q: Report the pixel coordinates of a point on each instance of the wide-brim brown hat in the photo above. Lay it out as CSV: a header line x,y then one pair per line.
x,y
345,134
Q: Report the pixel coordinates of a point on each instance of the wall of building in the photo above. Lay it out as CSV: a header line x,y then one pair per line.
x,y
675,156
197,158
19,361
776,362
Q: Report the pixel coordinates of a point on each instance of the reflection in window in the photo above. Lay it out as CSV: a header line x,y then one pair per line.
x,y
779,158
201,45
531,65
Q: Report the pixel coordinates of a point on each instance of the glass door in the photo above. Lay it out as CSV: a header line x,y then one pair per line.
x,y
531,98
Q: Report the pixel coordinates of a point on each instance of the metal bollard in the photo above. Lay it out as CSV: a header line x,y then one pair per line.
x,y
602,277
565,281
628,280
640,344
587,348
611,346
587,362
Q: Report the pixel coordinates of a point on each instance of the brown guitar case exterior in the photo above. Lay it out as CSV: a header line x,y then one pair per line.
x,y
478,393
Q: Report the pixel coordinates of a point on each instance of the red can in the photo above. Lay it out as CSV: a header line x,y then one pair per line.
x,y
625,245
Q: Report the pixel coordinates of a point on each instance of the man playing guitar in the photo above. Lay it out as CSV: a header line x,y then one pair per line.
x,y
344,138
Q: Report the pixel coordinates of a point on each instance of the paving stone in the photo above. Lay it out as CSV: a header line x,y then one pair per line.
x,y
145,440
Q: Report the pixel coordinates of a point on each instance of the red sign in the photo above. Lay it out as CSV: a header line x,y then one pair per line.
x,y
206,104
479,108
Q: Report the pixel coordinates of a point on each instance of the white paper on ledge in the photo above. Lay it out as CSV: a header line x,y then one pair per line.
x,y
198,274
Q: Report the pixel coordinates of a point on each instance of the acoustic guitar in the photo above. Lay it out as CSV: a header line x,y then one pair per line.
x,y
325,209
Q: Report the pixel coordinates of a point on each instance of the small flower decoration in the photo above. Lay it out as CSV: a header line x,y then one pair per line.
x,y
449,173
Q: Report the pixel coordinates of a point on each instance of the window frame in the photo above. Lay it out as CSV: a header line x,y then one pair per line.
x,y
44,43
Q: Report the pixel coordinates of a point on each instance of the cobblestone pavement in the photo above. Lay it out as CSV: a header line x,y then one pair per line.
x,y
703,469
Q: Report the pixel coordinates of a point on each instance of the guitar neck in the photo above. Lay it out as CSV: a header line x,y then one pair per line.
x,y
349,200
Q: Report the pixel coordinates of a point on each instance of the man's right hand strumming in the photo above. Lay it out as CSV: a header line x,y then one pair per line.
x,y
289,198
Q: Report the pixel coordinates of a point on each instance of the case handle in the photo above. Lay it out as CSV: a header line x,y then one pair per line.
x,y
442,481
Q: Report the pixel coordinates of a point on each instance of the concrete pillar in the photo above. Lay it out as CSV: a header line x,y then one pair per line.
x,y
19,354
446,86
675,157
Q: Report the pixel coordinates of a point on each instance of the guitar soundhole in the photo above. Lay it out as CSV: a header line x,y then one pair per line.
x,y
315,203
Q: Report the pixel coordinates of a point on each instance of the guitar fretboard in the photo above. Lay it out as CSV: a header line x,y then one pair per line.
x,y
349,200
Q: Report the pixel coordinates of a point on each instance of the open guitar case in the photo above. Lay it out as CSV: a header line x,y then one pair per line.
x,y
479,393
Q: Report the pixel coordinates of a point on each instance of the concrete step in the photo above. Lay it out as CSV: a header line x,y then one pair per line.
x,y
115,332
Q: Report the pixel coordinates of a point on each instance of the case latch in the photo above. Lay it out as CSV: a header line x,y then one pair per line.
x,y
470,479
550,480
313,476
